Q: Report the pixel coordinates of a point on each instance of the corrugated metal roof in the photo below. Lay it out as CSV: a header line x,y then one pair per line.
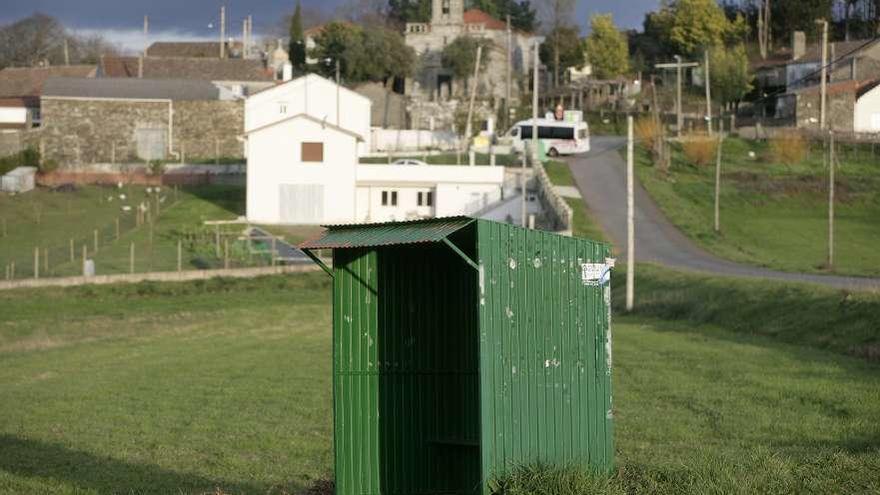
x,y
386,234
149,89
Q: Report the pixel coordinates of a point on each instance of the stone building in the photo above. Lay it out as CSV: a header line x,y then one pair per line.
x,y
449,21
89,121
805,105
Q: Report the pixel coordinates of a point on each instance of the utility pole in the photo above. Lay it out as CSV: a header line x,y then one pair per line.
x,y
507,97
66,53
222,31
630,218
708,84
146,25
824,82
718,181
533,148
678,66
469,125
831,164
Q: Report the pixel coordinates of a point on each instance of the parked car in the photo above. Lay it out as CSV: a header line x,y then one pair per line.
x,y
408,161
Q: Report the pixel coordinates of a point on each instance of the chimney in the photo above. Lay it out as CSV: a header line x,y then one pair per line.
x,y
287,71
798,45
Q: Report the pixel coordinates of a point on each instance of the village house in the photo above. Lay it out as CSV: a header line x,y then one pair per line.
x,y
449,20
120,120
20,90
852,106
304,140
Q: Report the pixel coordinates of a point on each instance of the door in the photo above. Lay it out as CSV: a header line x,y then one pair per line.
x,y
301,203
151,143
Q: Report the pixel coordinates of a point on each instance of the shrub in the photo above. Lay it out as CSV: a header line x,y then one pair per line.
x,y
699,149
647,132
157,167
789,148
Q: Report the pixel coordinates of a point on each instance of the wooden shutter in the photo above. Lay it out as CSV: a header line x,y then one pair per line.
x,y
313,152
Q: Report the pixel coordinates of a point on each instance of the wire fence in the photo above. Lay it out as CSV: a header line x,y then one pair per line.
x,y
138,242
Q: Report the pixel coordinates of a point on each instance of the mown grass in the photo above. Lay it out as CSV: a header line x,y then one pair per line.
x,y
190,387
772,214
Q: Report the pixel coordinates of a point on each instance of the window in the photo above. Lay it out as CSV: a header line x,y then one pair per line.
x,y
389,198
425,198
312,152
547,132
445,7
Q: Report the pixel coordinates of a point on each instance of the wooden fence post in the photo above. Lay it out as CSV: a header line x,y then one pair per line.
x,y
226,253
273,251
179,255
12,270
217,239
85,257
131,258
72,254
36,262
96,240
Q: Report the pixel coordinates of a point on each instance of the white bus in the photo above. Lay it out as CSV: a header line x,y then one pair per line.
x,y
560,137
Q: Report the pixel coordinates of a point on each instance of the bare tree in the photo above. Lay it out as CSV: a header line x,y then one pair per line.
x,y
38,39
556,14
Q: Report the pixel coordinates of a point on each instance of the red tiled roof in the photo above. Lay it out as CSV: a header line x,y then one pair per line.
x,y
477,16
28,81
838,88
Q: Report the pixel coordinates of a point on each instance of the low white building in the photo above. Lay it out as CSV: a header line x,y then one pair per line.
x,y
304,138
867,110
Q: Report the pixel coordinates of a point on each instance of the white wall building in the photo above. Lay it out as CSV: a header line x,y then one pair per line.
x,y
867,111
304,138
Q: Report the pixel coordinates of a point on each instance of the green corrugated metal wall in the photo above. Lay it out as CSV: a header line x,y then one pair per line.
x,y
406,371
544,352
438,387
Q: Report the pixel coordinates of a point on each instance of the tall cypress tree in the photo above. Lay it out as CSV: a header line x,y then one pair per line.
x,y
297,46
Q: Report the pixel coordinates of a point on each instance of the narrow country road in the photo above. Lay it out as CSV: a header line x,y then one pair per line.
x,y
601,178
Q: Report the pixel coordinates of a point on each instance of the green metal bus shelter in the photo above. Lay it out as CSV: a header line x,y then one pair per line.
x,y
462,348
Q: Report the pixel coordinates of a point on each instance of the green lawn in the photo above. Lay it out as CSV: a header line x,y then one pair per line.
x,y
76,215
772,214
190,387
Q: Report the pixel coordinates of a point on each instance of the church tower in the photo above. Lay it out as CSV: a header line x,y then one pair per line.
x,y
447,12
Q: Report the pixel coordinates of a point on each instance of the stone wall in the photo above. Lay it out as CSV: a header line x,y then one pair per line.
x,y
839,114
82,132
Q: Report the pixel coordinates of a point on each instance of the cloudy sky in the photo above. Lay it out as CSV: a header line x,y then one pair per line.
x,y
121,21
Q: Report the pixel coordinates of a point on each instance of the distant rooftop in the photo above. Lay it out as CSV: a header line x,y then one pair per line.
x,y
842,50
206,69
148,89
28,81
197,49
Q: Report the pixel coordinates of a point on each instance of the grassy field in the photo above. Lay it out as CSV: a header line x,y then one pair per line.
x,y
773,214
191,387
49,220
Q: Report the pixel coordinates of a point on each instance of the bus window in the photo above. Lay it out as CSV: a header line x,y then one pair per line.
x,y
566,133
525,132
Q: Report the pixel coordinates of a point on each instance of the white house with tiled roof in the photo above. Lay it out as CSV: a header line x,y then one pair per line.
x,y
304,138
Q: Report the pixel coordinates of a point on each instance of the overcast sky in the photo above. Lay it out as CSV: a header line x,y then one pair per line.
x,y
121,21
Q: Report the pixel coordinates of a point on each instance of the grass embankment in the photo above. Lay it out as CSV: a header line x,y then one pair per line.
x,y
584,225
448,159
184,388
773,214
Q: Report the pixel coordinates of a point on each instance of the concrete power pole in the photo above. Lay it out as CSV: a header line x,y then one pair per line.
x,y
708,84
146,25
679,119
718,180
507,96
533,148
630,218
824,82
66,53
831,163
222,31
470,115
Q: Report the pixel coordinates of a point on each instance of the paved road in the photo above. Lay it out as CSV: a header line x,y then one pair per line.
x,y
601,177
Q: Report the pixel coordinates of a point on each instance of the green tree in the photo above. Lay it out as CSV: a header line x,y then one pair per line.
x,y
460,55
729,70
297,46
787,16
522,15
607,48
403,11
571,49
692,25
364,54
